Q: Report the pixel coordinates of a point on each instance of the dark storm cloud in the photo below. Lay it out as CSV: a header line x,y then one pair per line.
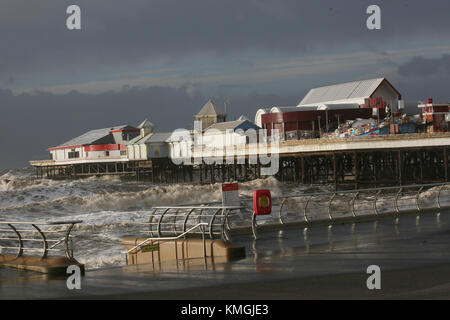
x,y
426,77
422,67
121,33
118,36
29,124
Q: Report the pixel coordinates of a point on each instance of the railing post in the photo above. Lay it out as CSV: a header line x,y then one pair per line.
x,y
66,242
417,199
279,212
176,249
204,243
45,244
329,206
396,200
353,204
20,249
254,226
438,197
375,203
304,210
159,222
212,222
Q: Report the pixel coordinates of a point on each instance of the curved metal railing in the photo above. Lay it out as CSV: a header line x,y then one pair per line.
x,y
362,202
351,204
159,240
18,238
175,220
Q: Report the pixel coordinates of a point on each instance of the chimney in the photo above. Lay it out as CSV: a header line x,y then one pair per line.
x,y
429,100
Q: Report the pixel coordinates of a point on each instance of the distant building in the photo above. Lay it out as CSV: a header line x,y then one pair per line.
x,y
224,138
210,114
324,108
149,146
353,93
215,135
100,145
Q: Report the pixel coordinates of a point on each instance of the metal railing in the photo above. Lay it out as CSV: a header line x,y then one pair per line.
x,y
43,237
176,220
172,223
158,240
354,203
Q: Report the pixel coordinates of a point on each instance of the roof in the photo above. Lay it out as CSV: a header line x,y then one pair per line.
x,y
276,109
259,114
343,91
151,137
234,125
242,117
139,139
146,125
210,109
332,106
97,136
160,137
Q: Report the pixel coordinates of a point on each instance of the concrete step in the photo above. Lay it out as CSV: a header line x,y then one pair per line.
x,y
50,265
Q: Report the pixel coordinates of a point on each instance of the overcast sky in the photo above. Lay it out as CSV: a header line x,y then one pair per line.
x,y
162,60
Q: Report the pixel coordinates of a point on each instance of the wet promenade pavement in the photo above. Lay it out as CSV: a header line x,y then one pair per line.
x,y
412,251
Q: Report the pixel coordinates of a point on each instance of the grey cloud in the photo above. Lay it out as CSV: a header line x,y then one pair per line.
x,y
131,32
422,77
423,67
30,123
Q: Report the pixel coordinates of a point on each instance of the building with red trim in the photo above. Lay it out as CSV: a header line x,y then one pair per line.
x,y
100,145
324,108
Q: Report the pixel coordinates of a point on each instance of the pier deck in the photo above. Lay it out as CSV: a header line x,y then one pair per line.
x,y
355,161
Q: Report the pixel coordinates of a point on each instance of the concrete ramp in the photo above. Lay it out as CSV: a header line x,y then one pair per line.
x,y
185,249
185,233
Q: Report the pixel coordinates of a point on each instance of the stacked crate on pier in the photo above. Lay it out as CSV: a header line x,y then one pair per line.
x,y
435,116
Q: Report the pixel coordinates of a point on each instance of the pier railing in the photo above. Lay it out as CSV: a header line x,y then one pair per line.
x,y
36,238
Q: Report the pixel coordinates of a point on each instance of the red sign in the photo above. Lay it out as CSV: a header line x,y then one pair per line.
x,y
230,187
262,202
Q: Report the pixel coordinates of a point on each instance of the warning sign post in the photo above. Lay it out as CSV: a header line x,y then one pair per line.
x,y
230,195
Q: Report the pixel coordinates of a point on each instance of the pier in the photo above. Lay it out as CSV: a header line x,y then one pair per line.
x,y
345,162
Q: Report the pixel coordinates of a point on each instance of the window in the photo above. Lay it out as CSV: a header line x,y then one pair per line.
x,y
123,152
74,154
107,153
